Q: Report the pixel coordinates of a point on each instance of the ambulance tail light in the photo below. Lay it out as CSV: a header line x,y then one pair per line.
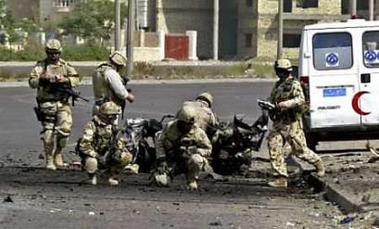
x,y
304,79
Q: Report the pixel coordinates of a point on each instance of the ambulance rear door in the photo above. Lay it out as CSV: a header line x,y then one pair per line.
x,y
333,77
366,101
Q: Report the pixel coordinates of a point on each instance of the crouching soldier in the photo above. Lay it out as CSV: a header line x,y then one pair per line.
x,y
102,146
182,147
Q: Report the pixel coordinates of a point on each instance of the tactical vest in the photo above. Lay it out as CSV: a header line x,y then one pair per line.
x,y
47,92
284,91
101,88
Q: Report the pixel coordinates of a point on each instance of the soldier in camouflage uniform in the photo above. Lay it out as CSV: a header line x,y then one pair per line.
x,y
103,146
206,119
182,147
109,85
288,97
48,77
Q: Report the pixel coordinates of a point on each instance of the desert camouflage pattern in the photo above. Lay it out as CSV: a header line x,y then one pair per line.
x,y
287,127
171,140
54,106
205,115
49,69
95,143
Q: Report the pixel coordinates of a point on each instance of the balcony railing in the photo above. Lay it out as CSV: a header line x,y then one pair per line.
x,y
63,5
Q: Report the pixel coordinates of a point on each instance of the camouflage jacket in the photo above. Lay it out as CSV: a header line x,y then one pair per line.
x,y
206,117
46,91
99,137
172,139
290,91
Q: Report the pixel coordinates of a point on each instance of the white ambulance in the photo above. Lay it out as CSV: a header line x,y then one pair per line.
x,y
340,63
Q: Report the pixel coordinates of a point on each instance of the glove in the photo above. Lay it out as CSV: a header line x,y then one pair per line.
x,y
93,154
284,105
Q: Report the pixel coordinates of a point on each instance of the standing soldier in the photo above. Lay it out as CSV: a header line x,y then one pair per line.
x,y
109,85
206,119
103,147
288,97
182,147
49,77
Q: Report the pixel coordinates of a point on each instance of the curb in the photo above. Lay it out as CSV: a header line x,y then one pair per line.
x,y
88,81
334,195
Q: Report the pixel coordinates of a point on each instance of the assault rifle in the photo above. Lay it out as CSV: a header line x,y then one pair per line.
x,y
75,95
65,88
266,105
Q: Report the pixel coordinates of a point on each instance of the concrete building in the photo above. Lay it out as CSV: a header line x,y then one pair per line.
x,y
258,24
19,10
178,16
247,28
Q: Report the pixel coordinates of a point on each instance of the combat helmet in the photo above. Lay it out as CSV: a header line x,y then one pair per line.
x,y
109,108
207,97
187,114
53,45
118,58
283,64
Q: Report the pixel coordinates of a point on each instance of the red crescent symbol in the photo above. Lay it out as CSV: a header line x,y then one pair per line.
x,y
355,102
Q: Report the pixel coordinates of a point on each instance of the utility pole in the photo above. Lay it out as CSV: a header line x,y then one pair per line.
x,y
280,30
117,43
216,9
371,10
353,7
129,43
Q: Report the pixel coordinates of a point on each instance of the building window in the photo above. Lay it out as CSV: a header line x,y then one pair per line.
x,y
307,3
291,40
287,6
249,3
63,3
248,40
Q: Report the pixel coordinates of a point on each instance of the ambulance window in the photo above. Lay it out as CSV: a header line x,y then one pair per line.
x,y
332,51
370,43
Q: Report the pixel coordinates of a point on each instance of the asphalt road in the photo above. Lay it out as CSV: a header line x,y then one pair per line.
x,y
36,198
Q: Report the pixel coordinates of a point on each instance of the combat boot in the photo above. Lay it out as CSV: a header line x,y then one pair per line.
x,y
49,161
112,181
92,179
192,185
58,159
320,168
280,182
132,168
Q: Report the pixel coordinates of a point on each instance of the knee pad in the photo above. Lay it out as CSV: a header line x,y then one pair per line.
x,y
197,159
90,165
125,158
162,179
64,130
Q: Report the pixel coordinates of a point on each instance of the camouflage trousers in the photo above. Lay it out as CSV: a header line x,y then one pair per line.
x,y
190,166
57,122
292,134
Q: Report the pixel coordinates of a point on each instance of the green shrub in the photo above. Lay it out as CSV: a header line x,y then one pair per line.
x,y
33,52
85,52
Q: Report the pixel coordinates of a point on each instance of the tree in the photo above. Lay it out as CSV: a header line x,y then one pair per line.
x,y
93,20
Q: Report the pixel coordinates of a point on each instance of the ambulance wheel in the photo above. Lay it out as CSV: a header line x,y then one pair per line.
x,y
311,141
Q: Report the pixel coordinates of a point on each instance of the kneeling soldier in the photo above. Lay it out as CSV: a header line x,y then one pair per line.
x,y
102,146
